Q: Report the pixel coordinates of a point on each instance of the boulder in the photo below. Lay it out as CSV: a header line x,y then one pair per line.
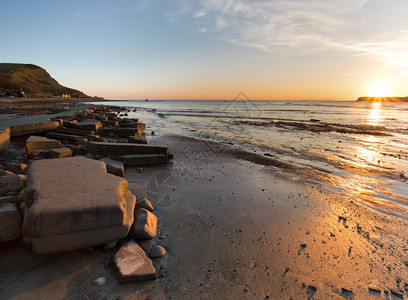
x,y
114,167
145,225
157,251
39,143
131,264
60,152
10,222
144,203
73,203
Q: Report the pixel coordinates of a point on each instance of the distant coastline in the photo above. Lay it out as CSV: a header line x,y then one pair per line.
x,y
383,99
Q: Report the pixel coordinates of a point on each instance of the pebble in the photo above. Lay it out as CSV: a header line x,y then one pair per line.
x,y
100,281
157,251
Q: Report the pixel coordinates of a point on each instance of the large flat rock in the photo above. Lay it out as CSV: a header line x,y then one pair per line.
x,y
131,264
73,203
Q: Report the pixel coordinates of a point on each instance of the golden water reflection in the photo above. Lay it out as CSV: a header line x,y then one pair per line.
x,y
375,116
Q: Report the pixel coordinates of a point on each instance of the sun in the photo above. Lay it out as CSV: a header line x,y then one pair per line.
x,y
379,89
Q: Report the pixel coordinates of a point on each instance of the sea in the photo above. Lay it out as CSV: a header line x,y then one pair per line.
x,y
356,149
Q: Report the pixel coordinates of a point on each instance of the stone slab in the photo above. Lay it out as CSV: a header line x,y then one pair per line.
x,y
114,167
69,199
41,143
60,152
135,140
26,129
73,131
138,160
120,132
81,239
68,137
139,125
93,125
120,149
131,264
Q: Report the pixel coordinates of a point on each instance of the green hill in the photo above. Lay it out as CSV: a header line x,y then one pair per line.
x,y
33,81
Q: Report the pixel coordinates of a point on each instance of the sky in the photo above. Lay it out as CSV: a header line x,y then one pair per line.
x,y
212,49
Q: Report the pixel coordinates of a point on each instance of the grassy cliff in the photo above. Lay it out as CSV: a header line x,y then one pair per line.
x,y
33,80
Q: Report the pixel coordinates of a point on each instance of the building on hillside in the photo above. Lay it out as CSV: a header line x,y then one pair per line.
x,y
63,95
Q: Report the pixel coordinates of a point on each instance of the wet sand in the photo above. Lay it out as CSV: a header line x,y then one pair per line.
x,y
233,228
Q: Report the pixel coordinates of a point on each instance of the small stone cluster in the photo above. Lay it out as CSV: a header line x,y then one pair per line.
x,y
67,191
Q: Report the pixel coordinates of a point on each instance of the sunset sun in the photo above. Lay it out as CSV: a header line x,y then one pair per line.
x,y
379,89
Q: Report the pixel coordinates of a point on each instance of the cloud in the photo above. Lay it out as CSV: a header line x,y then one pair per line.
x,y
291,26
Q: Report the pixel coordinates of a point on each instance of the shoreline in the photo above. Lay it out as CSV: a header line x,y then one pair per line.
x,y
232,228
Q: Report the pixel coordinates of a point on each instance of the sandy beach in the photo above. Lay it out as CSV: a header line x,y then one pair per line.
x,y
234,227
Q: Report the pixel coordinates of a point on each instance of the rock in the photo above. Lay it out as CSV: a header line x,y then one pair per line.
x,y
8,199
144,203
374,288
135,160
131,264
4,190
40,143
5,173
120,132
91,125
100,281
135,140
110,245
26,129
114,167
77,139
16,167
73,131
119,149
15,183
145,225
138,125
60,152
157,251
4,138
73,203
396,293
77,149
90,156
10,222
146,245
